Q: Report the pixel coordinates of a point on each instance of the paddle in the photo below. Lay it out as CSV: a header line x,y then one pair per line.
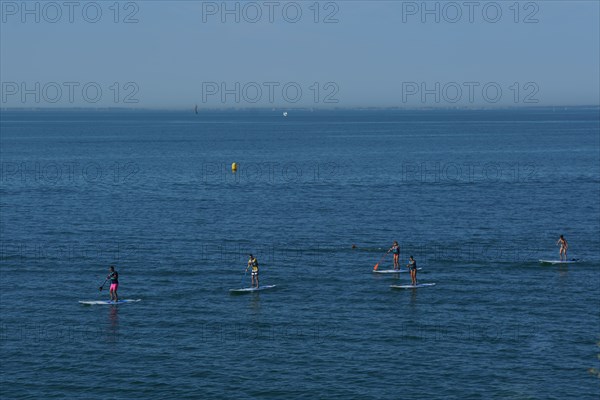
x,y
243,277
377,265
102,287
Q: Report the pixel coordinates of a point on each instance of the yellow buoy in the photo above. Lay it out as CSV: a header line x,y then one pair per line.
x,y
233,167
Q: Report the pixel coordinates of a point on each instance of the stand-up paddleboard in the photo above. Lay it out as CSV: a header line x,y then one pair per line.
x,y
418,285
571,261
251,289
392,271
109,302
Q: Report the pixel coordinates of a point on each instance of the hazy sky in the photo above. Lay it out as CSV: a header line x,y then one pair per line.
x,y
174,54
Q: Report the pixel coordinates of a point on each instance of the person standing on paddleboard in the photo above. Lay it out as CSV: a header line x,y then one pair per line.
x,y
114,283
412,267
253,263
563,247
395,249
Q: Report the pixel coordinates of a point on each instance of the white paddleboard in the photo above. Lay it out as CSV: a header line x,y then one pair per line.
x,y
109,302
251,289
392,271
572,261
418,285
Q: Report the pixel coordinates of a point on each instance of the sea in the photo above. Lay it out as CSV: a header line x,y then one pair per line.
x,y
477,197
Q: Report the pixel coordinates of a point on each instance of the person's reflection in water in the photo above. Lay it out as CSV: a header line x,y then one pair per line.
x,y
563,271
112,331
255,303
413,296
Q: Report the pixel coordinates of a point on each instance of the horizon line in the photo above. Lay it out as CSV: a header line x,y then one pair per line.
x,y
302,108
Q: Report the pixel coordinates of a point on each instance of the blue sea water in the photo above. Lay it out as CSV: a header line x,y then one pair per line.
x,y
478,197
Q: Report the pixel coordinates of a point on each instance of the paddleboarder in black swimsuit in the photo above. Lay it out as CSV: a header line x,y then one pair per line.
x,y
412,267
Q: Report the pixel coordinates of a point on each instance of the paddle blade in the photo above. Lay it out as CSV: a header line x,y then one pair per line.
x,y
375,267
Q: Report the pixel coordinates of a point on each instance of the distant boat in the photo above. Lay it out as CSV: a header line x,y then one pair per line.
x,y
285,113
196,109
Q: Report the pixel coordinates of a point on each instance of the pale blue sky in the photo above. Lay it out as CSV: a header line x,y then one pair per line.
x,y
379,53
